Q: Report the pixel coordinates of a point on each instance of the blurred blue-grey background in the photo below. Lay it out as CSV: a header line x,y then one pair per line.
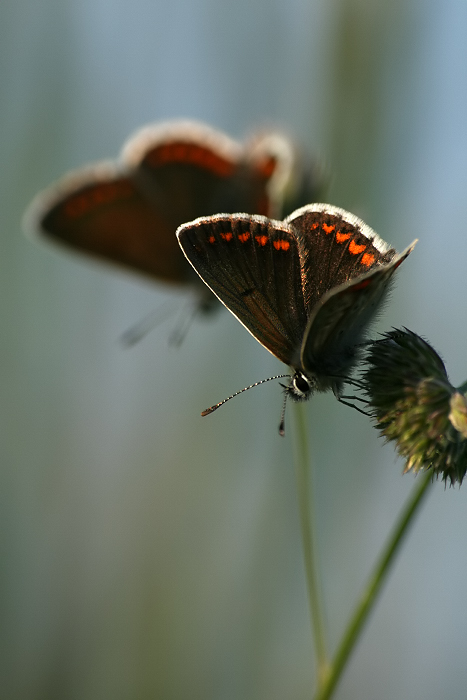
x,y
149,553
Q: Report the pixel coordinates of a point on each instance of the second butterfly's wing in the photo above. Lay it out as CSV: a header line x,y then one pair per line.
x,y
170,173
188,169
294,178
99,211
252,265
128,214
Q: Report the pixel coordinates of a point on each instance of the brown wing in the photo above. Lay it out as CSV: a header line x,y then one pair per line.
x,y
100,211
189,170
341,317
171,173
252,264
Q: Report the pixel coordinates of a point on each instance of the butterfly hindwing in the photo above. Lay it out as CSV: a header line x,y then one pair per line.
x,y
100,212
339,320
188,169
335,246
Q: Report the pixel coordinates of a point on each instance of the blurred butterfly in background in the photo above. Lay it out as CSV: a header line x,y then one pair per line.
x,y
127,212
306,288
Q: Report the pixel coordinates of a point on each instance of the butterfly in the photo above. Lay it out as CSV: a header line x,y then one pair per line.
x,y
127,212
306,288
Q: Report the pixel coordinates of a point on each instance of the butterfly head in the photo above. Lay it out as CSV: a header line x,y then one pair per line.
x,y
300,387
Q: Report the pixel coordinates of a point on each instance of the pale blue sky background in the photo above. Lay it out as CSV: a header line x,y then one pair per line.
x,y
149,553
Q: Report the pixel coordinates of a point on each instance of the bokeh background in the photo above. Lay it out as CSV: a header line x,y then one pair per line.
x,y
149,553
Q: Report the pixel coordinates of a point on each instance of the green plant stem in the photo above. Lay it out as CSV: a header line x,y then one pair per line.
x,y
305,502
375,582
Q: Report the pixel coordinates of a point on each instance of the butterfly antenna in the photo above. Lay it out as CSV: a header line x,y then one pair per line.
x,y
282,421
147,324
221,403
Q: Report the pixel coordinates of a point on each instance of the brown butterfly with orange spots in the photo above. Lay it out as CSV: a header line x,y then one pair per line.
x,y
127,212
306,288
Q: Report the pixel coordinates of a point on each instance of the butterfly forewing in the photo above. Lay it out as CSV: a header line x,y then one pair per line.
x,y
253,266
185,180
102,213
335,246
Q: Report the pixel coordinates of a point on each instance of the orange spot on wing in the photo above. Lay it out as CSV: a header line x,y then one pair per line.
x,y
281,244
314,226
328,228
244,237
227,236
261,240
341,237
368,259
356,249
212,239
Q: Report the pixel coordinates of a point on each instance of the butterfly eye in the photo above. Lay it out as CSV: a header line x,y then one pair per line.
x,y
301,386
